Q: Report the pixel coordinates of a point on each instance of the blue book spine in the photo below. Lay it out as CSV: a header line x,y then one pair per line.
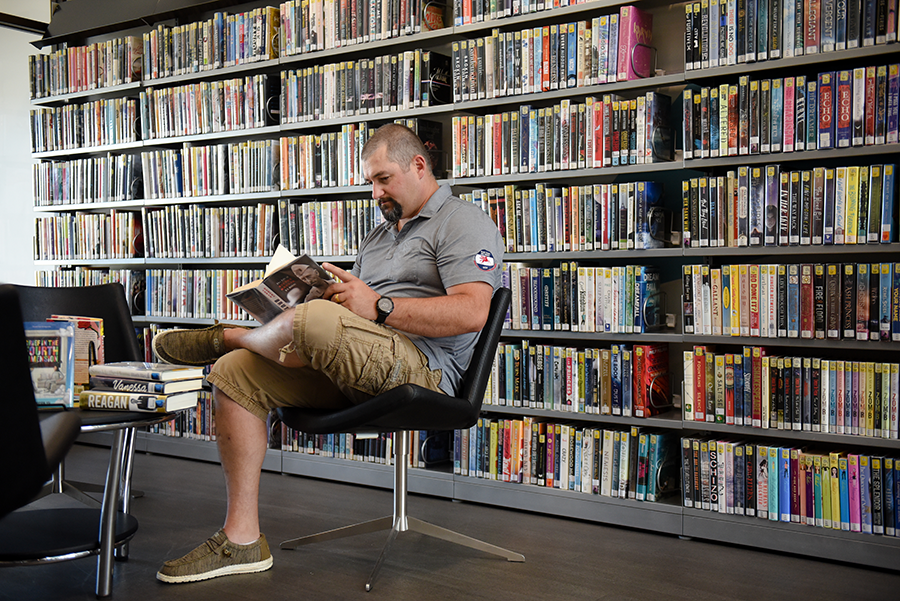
x,y
777,114
762,30
572,58
793,301
637,304
536,304
840,25
887,204
890,500
828,218
895,303
784,483
773,480
616,379
845,495
613,48
547,289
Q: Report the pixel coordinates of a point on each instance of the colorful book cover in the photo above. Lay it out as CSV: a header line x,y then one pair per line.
x,y
854,493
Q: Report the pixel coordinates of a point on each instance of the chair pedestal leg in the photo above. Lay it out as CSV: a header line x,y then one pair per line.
x,y
124,500
417,525
400,521
376,525
108,512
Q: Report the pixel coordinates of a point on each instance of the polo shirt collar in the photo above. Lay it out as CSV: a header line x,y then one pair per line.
x,y
432,206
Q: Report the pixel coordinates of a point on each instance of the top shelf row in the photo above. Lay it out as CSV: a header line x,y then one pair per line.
x,y
267,38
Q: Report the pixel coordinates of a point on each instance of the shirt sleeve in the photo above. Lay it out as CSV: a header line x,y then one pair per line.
x,y
470,248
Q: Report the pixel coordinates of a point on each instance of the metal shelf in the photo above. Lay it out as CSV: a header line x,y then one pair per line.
x,y
867,345
658,517
592,336
634,85
830,250
798,435
590,255
785,157
866,549
569,174
670,419
819,58
86,94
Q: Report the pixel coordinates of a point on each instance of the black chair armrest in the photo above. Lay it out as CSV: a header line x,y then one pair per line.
x,y
59,432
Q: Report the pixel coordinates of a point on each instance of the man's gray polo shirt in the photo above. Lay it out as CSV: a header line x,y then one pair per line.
x,y
450,242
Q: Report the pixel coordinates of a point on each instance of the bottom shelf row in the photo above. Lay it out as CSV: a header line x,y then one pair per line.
x,y
829,488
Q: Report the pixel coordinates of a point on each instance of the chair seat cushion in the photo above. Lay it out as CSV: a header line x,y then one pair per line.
x,y
29,535
407,407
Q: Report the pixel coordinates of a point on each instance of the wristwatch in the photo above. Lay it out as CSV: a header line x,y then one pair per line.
x,y
384,306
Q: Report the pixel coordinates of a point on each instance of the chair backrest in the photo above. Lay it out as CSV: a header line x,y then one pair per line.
x,y
476,378
23,465
106,301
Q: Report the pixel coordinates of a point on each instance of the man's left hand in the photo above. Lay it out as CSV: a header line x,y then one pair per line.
x,y
351,292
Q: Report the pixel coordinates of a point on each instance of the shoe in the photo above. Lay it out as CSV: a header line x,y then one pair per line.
x,y
191,347
218,556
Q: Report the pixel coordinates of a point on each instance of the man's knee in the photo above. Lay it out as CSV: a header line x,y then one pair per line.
x,y
316,324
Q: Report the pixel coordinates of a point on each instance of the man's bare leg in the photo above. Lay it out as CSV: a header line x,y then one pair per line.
x,y
242,441
267,340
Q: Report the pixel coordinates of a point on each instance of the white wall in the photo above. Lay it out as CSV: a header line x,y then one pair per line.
x,y
16,215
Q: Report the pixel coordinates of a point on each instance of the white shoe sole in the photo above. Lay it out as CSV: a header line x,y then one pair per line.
x,y
241,568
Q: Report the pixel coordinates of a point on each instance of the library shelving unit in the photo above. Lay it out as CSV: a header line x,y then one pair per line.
x,y
670,78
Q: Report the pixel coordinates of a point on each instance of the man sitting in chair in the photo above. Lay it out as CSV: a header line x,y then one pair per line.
x,y
409,311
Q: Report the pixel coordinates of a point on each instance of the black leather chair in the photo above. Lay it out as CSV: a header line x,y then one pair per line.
x,y
115,525
30,449
31,453
405,408
120,344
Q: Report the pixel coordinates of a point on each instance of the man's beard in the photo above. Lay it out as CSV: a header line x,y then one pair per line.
x,y
392,213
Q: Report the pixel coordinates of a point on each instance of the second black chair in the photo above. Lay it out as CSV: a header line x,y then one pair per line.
x,y
410,407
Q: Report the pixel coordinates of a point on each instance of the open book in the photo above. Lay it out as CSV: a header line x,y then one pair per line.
x,y
289,281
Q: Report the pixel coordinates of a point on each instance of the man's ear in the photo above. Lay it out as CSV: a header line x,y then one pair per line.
x,y
421,164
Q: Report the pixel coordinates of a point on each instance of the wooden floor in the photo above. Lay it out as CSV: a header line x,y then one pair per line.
x,y
566,559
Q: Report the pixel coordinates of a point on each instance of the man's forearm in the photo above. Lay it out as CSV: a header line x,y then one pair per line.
x,y
439,316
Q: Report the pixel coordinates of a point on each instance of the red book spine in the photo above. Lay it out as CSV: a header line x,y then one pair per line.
x,y
756,386
871,97
813,27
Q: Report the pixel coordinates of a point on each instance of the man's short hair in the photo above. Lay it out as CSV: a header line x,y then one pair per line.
x,y
402,145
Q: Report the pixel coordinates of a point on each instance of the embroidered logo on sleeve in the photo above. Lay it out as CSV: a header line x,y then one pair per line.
x,y
485,260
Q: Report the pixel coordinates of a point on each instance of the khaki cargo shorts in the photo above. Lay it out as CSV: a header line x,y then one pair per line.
x,y
350,359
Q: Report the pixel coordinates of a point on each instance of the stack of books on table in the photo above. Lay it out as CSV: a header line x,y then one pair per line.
x,y
136,386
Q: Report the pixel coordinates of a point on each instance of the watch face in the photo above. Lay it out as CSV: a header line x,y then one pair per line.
x,y
385,305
